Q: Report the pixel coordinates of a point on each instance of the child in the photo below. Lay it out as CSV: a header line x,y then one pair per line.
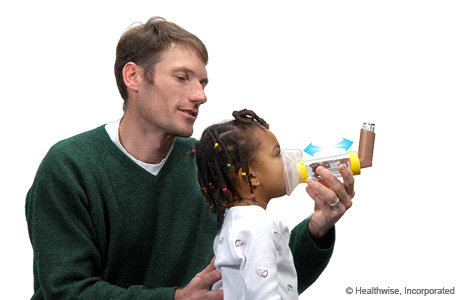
x,y
240,170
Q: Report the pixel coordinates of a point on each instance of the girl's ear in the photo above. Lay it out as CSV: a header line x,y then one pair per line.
x,y
254,180
245,177
242,176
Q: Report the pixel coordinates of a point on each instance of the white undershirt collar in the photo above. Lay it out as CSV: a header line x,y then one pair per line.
x,y
113,132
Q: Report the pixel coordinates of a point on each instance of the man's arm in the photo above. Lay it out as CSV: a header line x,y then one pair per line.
x,y
69,256
312,241
310,257
68,259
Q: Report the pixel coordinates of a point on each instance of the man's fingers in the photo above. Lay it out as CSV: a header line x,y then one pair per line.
x,y
343,190
348,180
320,202
210,267
208,276
208,279
321,193
215,295
198,288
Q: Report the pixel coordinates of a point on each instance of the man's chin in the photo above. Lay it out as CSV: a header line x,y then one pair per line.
x,y
182,129
185,133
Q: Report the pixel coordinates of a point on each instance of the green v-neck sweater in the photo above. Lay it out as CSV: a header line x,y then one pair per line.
x,y
102,227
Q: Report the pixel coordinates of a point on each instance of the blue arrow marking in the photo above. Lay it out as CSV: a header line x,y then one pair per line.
x,y
311,149
345,144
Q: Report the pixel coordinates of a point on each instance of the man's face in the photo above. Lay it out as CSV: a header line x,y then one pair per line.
x,y
170,105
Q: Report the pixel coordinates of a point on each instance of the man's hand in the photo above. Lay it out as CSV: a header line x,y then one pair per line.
x,y
327,193
198,288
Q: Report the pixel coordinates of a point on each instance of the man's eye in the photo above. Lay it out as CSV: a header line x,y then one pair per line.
x,y
181,78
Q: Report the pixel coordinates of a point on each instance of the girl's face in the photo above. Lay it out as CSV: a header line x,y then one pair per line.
x,y
268,166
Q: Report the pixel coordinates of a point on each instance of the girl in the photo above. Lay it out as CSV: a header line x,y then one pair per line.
x,y
240,170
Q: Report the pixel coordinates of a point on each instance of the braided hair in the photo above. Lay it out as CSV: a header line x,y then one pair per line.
x,y
222,151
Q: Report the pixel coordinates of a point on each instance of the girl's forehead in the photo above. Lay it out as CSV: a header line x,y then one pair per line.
x,y
266,137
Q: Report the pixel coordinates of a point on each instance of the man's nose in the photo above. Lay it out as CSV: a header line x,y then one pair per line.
x,y
197,94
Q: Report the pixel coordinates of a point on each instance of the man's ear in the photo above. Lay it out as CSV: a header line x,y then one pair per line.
x,y
132,76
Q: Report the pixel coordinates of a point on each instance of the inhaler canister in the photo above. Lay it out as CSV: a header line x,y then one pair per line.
x,y
366,145
298,171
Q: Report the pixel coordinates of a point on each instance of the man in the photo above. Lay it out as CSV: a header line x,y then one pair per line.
x,y
117,213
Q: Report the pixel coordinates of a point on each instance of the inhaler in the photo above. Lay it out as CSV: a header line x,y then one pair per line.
x,y
298,171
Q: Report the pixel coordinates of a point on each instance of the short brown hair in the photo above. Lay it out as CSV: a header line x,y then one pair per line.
x,y
143,44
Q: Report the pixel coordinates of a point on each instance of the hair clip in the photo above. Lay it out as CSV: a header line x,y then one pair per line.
x,y
193,150
224,190
243,174
228,165
216,144
204,190
252,196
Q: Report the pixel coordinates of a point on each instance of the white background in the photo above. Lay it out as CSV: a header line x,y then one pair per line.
x,y
314,70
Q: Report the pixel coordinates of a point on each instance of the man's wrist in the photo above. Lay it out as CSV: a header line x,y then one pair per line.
x,y
324,238
177,294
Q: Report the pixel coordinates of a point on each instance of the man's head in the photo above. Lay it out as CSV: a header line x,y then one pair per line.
x,y
144,44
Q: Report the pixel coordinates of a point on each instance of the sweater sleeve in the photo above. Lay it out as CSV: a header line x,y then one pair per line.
x,y
310,258
67,258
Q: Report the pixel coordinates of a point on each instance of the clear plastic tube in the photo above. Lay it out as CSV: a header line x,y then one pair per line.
x,y
330,163
298,171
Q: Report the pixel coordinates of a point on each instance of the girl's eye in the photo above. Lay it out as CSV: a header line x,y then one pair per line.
x,y
278,154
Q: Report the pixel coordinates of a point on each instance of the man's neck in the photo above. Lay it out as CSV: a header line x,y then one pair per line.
x,y
144,143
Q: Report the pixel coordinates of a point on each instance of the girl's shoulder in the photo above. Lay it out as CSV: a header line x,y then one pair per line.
x,y
253,218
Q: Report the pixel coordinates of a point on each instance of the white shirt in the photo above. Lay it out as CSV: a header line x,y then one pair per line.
x,y
113,131
253,255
